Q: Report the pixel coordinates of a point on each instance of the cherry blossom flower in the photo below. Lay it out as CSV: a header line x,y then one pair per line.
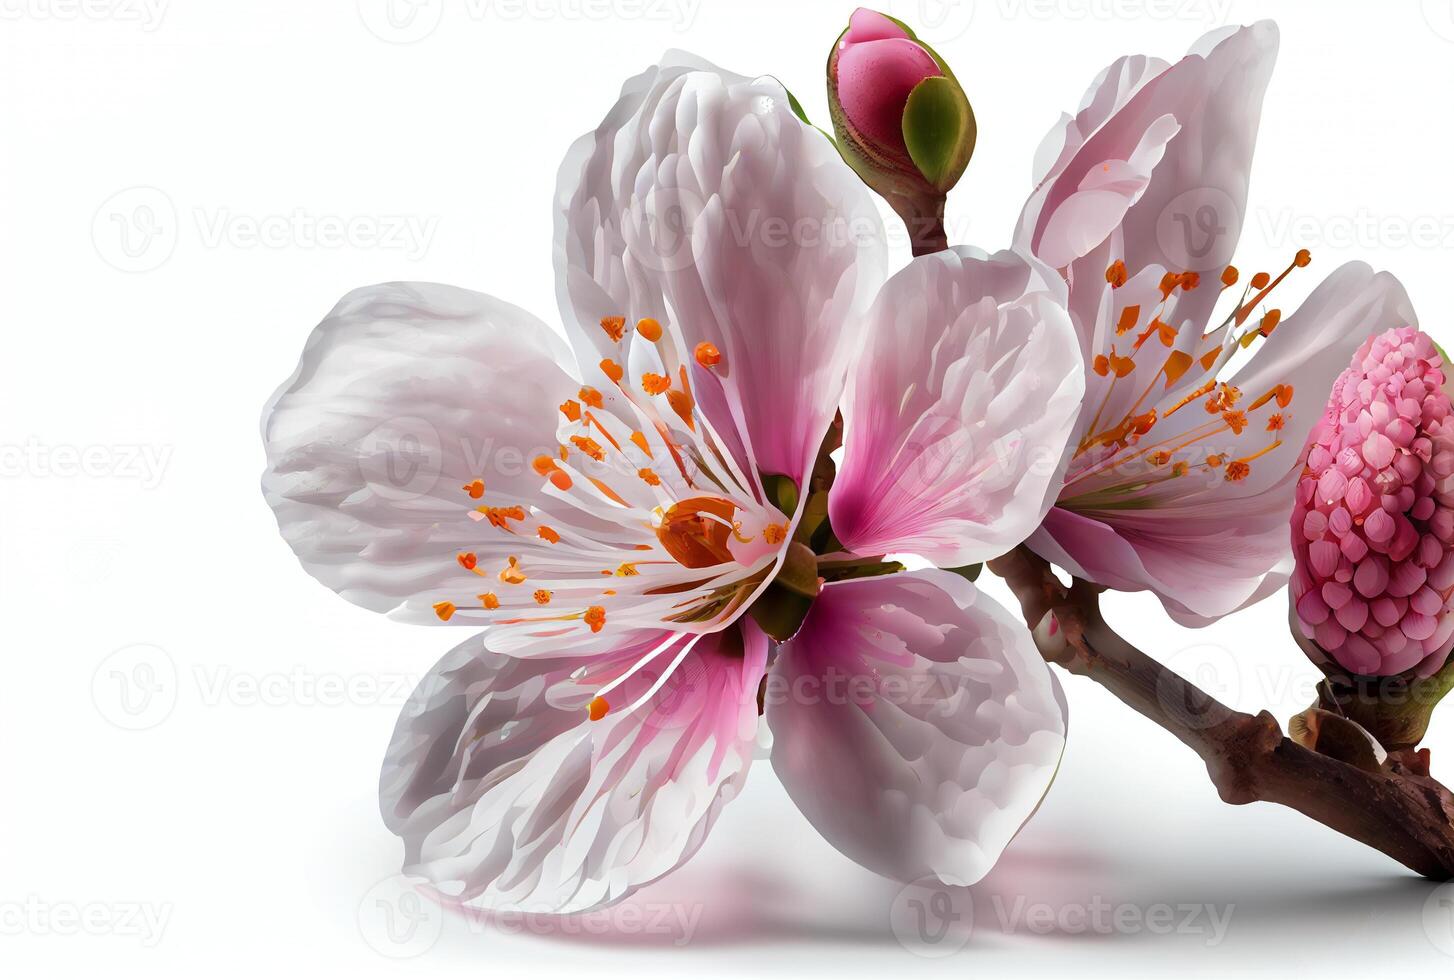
x,y
628,519
1186,455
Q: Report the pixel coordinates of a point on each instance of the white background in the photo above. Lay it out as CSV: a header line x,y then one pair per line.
x,y
236,831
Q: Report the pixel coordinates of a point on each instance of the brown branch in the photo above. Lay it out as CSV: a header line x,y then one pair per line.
x,y
1395,807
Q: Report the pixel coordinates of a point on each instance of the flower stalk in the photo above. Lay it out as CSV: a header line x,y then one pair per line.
x,y
1398,809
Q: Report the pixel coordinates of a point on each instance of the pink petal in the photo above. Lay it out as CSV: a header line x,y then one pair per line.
x,y
959,412
508,797
915,725
705,203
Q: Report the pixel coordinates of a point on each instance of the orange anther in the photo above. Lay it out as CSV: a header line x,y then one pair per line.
x,y
1236,421
639,438
501,516
490,600
467,560
596,618
612,370
707,354
649,328
775,533
654,384
590,447
682,403
1275,422
626,569
1176,365
444,610
597,709
541,597
571,409
615,327
548,533
560,479
647,474
1190,280
1302,258
511,574
1127,321
1230,275
1270,320
591,397
1261,280
475,488
1116,275
1237,471
544,465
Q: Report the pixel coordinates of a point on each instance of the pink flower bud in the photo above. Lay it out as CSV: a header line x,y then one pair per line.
x,y
1374,586
902,120
878,66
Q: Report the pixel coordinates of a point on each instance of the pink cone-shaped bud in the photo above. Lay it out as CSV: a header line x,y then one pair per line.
x,y
902,120
1375,556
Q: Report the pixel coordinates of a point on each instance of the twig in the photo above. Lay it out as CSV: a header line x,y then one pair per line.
x,y
1396,807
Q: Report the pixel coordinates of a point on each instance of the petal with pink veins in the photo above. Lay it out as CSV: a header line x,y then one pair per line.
x,y
915,725
957,417
507,795
705,203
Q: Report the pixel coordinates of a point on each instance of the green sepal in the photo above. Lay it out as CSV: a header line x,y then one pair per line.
x,y
939,130
970,572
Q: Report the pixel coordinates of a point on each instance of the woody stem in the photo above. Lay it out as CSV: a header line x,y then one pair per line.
x,y
1397,807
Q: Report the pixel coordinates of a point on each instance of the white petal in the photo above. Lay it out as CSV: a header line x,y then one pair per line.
x,y
405,393
915,725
